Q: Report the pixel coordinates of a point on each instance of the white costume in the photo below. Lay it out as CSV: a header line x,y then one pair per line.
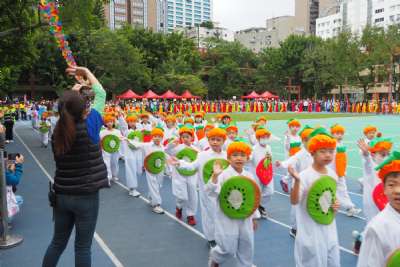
x,y
184,187
235,238
299,161
289,139
315,244
207,203
381,238
154,181
44,137
111,159
370,181
258,154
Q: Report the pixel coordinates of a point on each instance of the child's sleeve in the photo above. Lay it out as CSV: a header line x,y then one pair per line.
x,y
123,126
99,98
212,189
13,178
194,165
371,250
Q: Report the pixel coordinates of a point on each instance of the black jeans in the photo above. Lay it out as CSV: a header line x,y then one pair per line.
x,y
70,211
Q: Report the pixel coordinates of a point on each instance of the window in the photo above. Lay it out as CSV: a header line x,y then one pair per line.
x,y
379,10
391,18
379,20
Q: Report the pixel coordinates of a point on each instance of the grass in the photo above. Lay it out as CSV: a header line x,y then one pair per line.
x,y
249,116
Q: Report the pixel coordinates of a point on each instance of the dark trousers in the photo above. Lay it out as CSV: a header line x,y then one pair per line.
x,y
70,211
9,129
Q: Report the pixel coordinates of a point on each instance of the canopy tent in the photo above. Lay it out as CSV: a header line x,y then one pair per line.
x,y
269,95
170,95
129,94
188,95
150,94
252,95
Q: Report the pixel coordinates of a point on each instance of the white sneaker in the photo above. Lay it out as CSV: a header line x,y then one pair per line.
x,y
134,193
353,211
157,209
115,178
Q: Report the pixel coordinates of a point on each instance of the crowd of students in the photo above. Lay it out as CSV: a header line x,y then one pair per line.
x,y
201,156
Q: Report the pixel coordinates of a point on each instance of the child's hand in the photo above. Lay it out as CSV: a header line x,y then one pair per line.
x,y
293,173
19,159
255,224
336,205
363,147
173,161
217,170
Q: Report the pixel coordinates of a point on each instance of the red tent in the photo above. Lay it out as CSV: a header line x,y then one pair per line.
x,y
188,95
269,95
252,95
170,95
150,94
129,94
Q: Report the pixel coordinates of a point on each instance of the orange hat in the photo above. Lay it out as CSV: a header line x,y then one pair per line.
x,y
199,114
379,144
217,132
145,114
179,115
321,141
157,132
170,118
293,123
261,118
238,147
370,129
131,118
307,130
187,114
209,127
188,120
390,165
232,127
108,118
186,129
262,132
337,128
255,126
226,115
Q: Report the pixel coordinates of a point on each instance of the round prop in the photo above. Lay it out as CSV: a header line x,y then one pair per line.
x,y
209,166
264,170
189,155
110,143
379,197
154,163
394,259
135,135
239,197
320,198
146,136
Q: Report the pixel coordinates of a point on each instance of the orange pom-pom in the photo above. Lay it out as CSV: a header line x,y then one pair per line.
x,y
337,129
262,132
370,129
394,166
321,142
217,132
157,132
238,147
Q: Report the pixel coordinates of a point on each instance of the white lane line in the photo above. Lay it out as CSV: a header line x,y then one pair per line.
x,y
97,237
351,193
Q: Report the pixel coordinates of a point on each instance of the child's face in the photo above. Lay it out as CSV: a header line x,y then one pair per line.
x,y
132,124
216,142
324,156
145,119
294,129
380,156
157,139
109,124
170,124
263,140
198,119
338,136
225,120
371,135
238,159
232,134
187,138
392,189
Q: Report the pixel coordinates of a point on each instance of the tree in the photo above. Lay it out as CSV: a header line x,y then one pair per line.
x,y
271,73
207,24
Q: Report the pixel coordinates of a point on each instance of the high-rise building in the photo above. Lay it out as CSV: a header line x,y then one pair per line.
x,y
186,13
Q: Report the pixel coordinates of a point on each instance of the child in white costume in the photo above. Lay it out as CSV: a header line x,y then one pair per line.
x,y
299,162
260,151
382,234
232,133
203,144
370,132
373,154
216,138
44,129
111,159
345,201
316,244
234,237
184,187
154,181
133,157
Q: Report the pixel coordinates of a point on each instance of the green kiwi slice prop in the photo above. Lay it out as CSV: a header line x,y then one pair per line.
x,y
239,197
394,259
154,163
209,167
135,135
110,143
189,155
320,198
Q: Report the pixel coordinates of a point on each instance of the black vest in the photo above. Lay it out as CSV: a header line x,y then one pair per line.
x,y
81,171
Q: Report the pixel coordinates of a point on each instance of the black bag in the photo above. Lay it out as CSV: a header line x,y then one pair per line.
x,y
52,195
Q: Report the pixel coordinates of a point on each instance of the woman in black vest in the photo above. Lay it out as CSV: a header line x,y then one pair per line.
x,y
80,169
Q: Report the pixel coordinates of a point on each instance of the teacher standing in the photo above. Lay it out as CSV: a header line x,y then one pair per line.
x,y
80,169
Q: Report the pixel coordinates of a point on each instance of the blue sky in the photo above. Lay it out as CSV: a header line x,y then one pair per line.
x,y
241,14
